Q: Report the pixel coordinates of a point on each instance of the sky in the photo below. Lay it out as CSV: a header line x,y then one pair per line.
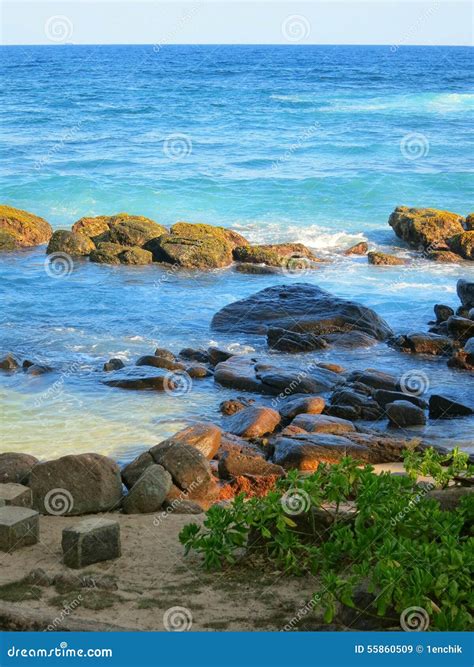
x,y
406,22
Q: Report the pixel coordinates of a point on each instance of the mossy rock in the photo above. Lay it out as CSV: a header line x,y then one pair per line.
x,y
72,243
136,255
469,222
444,257
463,244
278,254
19,591
199,231
26,228
92,227
383,259
132,230
107,253
424,227
7,241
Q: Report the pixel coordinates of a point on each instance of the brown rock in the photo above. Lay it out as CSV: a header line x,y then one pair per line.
x,y
421,343
9,363
234,464
203,436
323,424
424,227
404,413
306,451
70,243
26,229
253,422
188,467
358,249
132,472
305,404
463,244
15,468
383,259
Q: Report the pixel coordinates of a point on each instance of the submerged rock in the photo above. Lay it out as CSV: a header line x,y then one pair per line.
x,y
141,378
71,243
383,259
424,227
113,365
300,307
443,257
26,229
358,249
256,269
276,255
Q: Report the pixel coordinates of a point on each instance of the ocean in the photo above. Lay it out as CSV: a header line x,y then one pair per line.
x,y
315,144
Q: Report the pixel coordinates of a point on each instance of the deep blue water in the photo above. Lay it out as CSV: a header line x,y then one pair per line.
x,y
303,143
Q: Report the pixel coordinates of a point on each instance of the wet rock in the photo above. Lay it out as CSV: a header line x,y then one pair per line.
x,y
462,360
70,243
278,255
469,222
383,397
349,412
444,257
296,381
113,364
38,369
203,436
164,354
404,413
141,378
149,491
234,405
159,362
9,363
135,256
358,249
256,269
444,407
239,373
302,405
442,313
350,339
424,227
7,241
76,484
292,341
361,406
94,228
16,468
253,422
383,259
107,253
191,354
424,343
198,371
132,230
216,355
188,467
460,328
323,424
132,472
375,379
299,307
25,228
234,464
463,244
306,451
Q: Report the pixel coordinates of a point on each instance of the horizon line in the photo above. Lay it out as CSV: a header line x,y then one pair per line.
x,y
283,44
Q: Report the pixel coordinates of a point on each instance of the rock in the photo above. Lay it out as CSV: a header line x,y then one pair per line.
x,y
358,249
136,256
217,355
449,499
203,436
159,362
91,541
188,467
306,451
256,269
298,307
383,259
463,244
383,397
70,243
424,227
323,424
16,468
164,354
279,255
181,506
234,405
375,379
189,353
305,404
141,378
296,381
107,253
239,373
362,406
235,464
38,369
460,328
462,360
149,491
404,413
132,230
7,241
9,363
198,371
94,228
443,257
350,339
465,292
349,412
38,577
253,422
132,472
19,527
292,341
26,229
113,364
424,343
76,484
442,313
469,222
193,246
15,494
444,407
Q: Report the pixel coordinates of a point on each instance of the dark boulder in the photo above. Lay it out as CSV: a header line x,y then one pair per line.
x,y
113,364
444,407
292,341
9,363
402,414
141,377
15,468
149,491
306,451
465,291
442,313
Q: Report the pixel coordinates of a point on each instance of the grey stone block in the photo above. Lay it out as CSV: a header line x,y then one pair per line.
x,y
91,541
19,527
16,494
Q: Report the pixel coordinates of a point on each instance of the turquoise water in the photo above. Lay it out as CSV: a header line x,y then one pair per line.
x,y
310,144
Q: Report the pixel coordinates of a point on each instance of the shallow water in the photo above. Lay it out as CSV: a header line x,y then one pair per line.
x,y
280,143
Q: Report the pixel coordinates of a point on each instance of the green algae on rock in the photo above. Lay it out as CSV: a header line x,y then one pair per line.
x,y
423,227
72,243
25,228
278,254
